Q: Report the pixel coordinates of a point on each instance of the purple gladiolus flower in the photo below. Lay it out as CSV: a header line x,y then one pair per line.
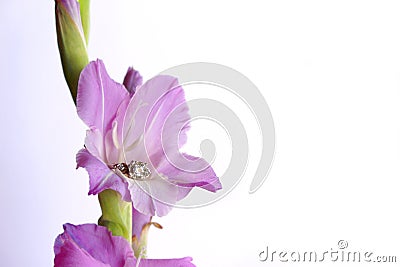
x,y
90,245
134,140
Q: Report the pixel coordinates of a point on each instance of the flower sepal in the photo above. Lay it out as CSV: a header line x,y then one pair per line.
x,y
116,214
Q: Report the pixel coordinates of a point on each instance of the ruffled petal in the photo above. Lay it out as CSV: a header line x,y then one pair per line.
x,y
98,97
69,254
100,175
167,124
91,245
153,197
190,171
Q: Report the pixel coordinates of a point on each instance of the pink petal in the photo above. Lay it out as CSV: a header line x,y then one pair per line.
x,y
94,143
153,197
98,97
91,245
167,124
68,254
142,111
100,175
193,171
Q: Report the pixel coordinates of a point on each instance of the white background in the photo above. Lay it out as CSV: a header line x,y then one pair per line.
x,y
329,70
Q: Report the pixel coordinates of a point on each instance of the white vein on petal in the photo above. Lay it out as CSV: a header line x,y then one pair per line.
x,y
115,134
105,179
102,102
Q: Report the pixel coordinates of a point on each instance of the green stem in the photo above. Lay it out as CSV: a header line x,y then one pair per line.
x,y
116,214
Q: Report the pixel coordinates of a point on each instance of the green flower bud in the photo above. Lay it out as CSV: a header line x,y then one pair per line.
x,y
71,40
85,17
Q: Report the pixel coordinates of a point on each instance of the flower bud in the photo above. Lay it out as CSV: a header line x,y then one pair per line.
x,y
132,80
71,40
85,17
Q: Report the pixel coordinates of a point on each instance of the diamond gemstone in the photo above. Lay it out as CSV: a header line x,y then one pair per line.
x,y
138,170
